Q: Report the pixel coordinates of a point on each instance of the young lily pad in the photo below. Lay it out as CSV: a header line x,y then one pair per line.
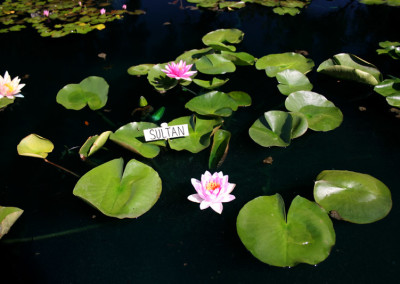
x,y
305,235
92,91
217,39
355,197
214,64
239,58
321,114
242,99
8,216
214,83
275,63
93,144
35,146
277,128
159,80
200,130
390,88
213,103
131,137
219,148
139,70
120,193
350,67
292,81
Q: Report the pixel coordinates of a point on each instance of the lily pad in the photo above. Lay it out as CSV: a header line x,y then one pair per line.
x,y
392,48
159,80
8,216
241,98
355,197
200,130
5,102
277,128
239,58
286,10
292,81
390,88
306,235
275,63
92,91
120,193
35,146
350,67
213,103
219,148
131,137
321,114
192,55
214,64
93,144
139,70
214,83
217,39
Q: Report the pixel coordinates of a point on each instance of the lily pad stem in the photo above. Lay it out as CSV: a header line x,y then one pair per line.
x,y
188,90
106,119
62,168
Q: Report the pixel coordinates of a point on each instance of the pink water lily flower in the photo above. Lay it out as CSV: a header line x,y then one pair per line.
x,y
124,6
179,70
102,11
212,190
10,88
46,13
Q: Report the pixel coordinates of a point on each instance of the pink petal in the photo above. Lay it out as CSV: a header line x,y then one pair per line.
x,y
228,198
195,198
217,207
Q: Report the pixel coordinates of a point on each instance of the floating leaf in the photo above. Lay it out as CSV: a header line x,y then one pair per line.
x,y
8,216
192,55
292,81
390,88
241,98
306,235
275,63
36,146
392,48
239,58
355,197
286,10
159,79
214,83
200,129
217,39
5,102
131,137
139,70
213,103
350,67
92,91
93,144
219,148
275,128
214,64
120,193
321,114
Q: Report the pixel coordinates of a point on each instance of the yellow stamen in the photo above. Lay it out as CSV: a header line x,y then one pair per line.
x,y
212,186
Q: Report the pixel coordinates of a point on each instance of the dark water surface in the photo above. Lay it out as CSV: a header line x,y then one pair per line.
x,y
61,239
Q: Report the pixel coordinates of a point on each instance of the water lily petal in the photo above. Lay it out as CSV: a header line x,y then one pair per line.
x,y
195,198
217,207
228,198
205,204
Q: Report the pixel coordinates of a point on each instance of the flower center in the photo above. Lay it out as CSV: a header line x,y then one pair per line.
x,y
9,87
211,186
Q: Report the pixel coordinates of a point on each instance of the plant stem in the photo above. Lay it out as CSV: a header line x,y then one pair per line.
x,y
62,168
186,89
106,119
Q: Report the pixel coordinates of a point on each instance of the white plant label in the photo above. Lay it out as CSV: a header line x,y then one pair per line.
x,y
166,132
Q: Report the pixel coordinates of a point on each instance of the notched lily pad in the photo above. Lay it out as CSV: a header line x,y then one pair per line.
x,y
305,235
212,84
275,63
35,146
120,193
214,64
291,81
213,103
355,197
217,39
139,70
159,80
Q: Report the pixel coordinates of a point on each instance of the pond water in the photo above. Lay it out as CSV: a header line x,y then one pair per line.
x,y
61,239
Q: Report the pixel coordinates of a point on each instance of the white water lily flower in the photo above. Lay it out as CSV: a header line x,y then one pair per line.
x,y
10,88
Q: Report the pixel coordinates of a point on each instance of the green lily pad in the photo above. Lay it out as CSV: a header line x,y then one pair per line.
x,y
219,149
214,83
292,81
92,91
392,48
139,70
159,80
390,88
354,197
5,102
277,128
200,130
217,39
8,216
131,137
35,146
305,235
239,58
241,98
93,144
192,55
286,10
214,64
350,67
213,103
232,4
120,193
321,114
275,63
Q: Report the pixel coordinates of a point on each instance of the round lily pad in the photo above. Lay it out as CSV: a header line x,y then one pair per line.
x,y
139,70
305,235
120,193
213,103
159,80
214,64
291,81
354,197
36,146
218,38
